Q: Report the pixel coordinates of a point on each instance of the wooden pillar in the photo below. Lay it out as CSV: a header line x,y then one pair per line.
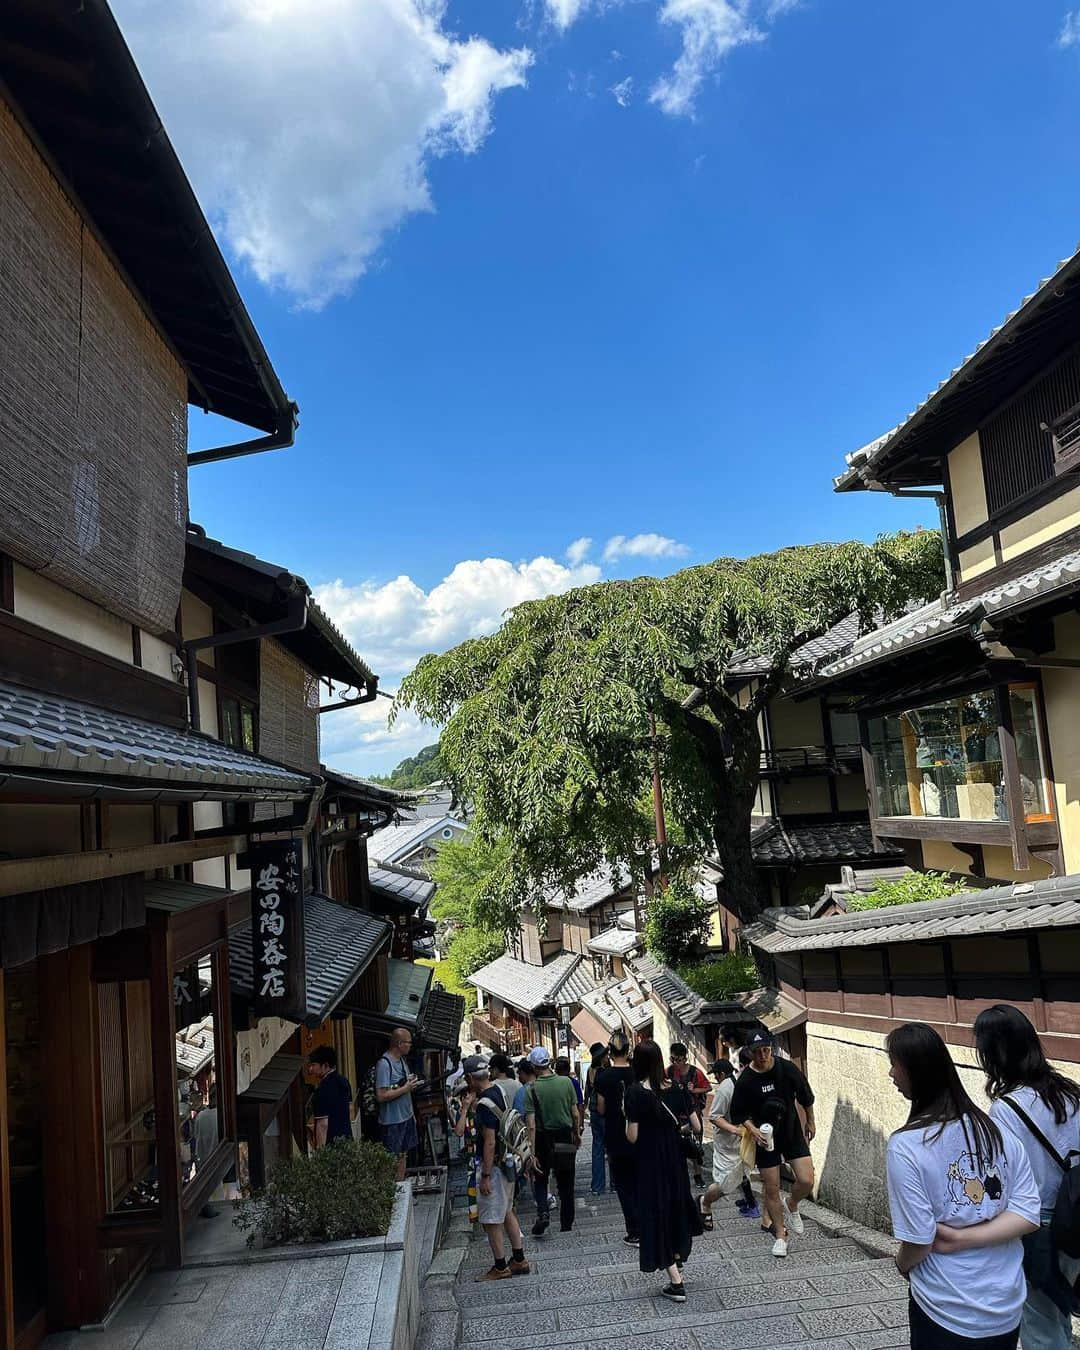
x,y
72,1137
7,1290
1014,794
163,1057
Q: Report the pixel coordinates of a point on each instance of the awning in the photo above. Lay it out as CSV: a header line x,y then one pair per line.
x,y
339,945
440,1027
408,989
39,922
77,749
778,1012
274,1081
588,1030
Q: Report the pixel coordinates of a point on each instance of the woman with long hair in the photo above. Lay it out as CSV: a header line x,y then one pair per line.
x,y
667,1217
962,1197
1027,1095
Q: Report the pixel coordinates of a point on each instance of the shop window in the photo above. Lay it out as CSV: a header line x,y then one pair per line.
x,y
127,1093
198,1101
844,729
238,721
944,760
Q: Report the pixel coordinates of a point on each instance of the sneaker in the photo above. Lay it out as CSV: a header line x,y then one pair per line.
x,y
519,1267
779,1247
675,1292
495,1274
794,1220
631,1241
540,1227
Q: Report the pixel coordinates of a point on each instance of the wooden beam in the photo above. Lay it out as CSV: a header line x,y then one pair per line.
x,y
66,869
1014,793
163,1056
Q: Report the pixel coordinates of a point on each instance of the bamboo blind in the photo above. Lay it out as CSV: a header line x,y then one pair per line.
x,y
288,713
93,407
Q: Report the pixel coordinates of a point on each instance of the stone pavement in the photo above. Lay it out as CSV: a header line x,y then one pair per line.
x,y
586,1291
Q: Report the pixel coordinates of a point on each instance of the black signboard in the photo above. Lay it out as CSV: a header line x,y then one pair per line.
x,y
191,998
277,928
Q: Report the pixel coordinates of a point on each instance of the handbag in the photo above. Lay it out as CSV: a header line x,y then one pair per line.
x,y
562,1142
691,1149
1041,1256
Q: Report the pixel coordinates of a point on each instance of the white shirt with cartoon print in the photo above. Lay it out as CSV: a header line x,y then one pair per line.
x,y
938,1180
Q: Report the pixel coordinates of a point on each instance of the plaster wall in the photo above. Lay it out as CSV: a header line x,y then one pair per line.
x,y
804,796
967,484
795,724
1061,698
974,561
1049,521
40,601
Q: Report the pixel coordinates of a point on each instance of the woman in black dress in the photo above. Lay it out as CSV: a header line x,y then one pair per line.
x,y
668,1219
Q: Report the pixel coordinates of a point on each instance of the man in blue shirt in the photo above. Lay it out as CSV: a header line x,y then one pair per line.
x,y
394,1086
332,1098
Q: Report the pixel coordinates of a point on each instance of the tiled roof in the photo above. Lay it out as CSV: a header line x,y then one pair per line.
x,y
590,891
671,990
375,793
938,621
614,941
340,943
630,1000
408,986
627,920
769,1006
1000,910
45,732
401,884
1018,330
525,986
440,1025
831,841
577,984
836,639
596,1002
391,844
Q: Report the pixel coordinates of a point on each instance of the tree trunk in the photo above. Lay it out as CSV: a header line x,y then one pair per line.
x,y
731,827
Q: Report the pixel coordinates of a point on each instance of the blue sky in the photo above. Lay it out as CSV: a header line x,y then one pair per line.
x,y
608,270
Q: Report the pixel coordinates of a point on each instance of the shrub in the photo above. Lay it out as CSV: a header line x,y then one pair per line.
x,y
345,1190
471,948
905,891
676,923
719,979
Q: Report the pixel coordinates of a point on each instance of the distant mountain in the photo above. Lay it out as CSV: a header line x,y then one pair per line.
x,y
418,771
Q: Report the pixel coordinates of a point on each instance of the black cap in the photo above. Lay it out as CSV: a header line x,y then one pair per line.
x,y
757,1039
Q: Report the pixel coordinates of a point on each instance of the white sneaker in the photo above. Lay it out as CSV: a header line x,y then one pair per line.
x,y
794,1220
779,1247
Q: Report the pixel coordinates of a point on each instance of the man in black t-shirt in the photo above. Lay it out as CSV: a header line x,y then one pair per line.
x,y
768,1093
611,1085
332,1099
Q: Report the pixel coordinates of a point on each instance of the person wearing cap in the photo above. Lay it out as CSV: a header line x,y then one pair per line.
x,y
769,1094
551,1117
474,1069
496,1174
728,1169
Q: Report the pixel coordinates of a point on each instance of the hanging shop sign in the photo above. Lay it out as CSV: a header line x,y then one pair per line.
x,y
277,928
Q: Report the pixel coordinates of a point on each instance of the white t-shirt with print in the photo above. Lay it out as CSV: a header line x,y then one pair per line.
x,y
1065,1138
972,1293
724,1142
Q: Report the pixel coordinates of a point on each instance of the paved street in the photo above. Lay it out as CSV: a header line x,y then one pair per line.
x,y
585,1290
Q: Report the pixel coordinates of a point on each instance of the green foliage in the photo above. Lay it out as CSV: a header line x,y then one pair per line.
x,y
717,980
417,771
446,975
471,948
463,870
546,720
905,891
345,1190
676,923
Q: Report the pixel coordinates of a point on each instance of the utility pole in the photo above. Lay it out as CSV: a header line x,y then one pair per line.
x,y
658,807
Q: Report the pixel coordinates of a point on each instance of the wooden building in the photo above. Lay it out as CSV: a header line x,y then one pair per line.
x,y
857,976
968,707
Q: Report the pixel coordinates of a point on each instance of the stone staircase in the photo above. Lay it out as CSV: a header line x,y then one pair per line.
x,y
585,1289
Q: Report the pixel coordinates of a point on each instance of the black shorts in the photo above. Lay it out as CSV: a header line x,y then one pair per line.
x,y
790,1146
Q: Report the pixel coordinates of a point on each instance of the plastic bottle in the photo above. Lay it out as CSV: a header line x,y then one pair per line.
x,y
767,1133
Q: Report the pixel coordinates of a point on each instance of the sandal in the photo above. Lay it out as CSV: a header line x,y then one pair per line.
x,y
706,1216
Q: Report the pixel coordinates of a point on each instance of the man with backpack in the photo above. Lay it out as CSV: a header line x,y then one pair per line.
x,y
503,1148
394,1087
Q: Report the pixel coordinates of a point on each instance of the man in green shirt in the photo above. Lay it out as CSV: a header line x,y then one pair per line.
x,y
552,1119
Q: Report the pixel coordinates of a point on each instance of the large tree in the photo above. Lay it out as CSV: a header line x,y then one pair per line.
x,y
547,719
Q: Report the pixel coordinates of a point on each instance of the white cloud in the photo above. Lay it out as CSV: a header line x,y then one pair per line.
x,y
562,13
578,551
776,8
710,29
643,546
622,92
1070,30
308,125
392,624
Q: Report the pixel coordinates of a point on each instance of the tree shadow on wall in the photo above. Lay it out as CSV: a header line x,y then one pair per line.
x,y
851,1180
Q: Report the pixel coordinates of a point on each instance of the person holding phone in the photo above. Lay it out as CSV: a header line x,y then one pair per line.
x,y
394,1088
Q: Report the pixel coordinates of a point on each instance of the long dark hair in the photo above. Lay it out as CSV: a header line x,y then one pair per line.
x,y
937,1095
1012,1056
648,1064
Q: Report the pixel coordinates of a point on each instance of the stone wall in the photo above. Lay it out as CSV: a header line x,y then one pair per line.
x,y
856,1109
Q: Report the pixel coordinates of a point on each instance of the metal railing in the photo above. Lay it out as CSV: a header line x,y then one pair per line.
x,y
809,758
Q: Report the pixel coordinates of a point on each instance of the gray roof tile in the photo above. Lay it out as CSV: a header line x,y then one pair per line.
x,y
401,884
523,985
62,735
831,841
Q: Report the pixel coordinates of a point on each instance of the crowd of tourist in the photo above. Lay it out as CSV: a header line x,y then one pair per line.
x,y
984,1203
